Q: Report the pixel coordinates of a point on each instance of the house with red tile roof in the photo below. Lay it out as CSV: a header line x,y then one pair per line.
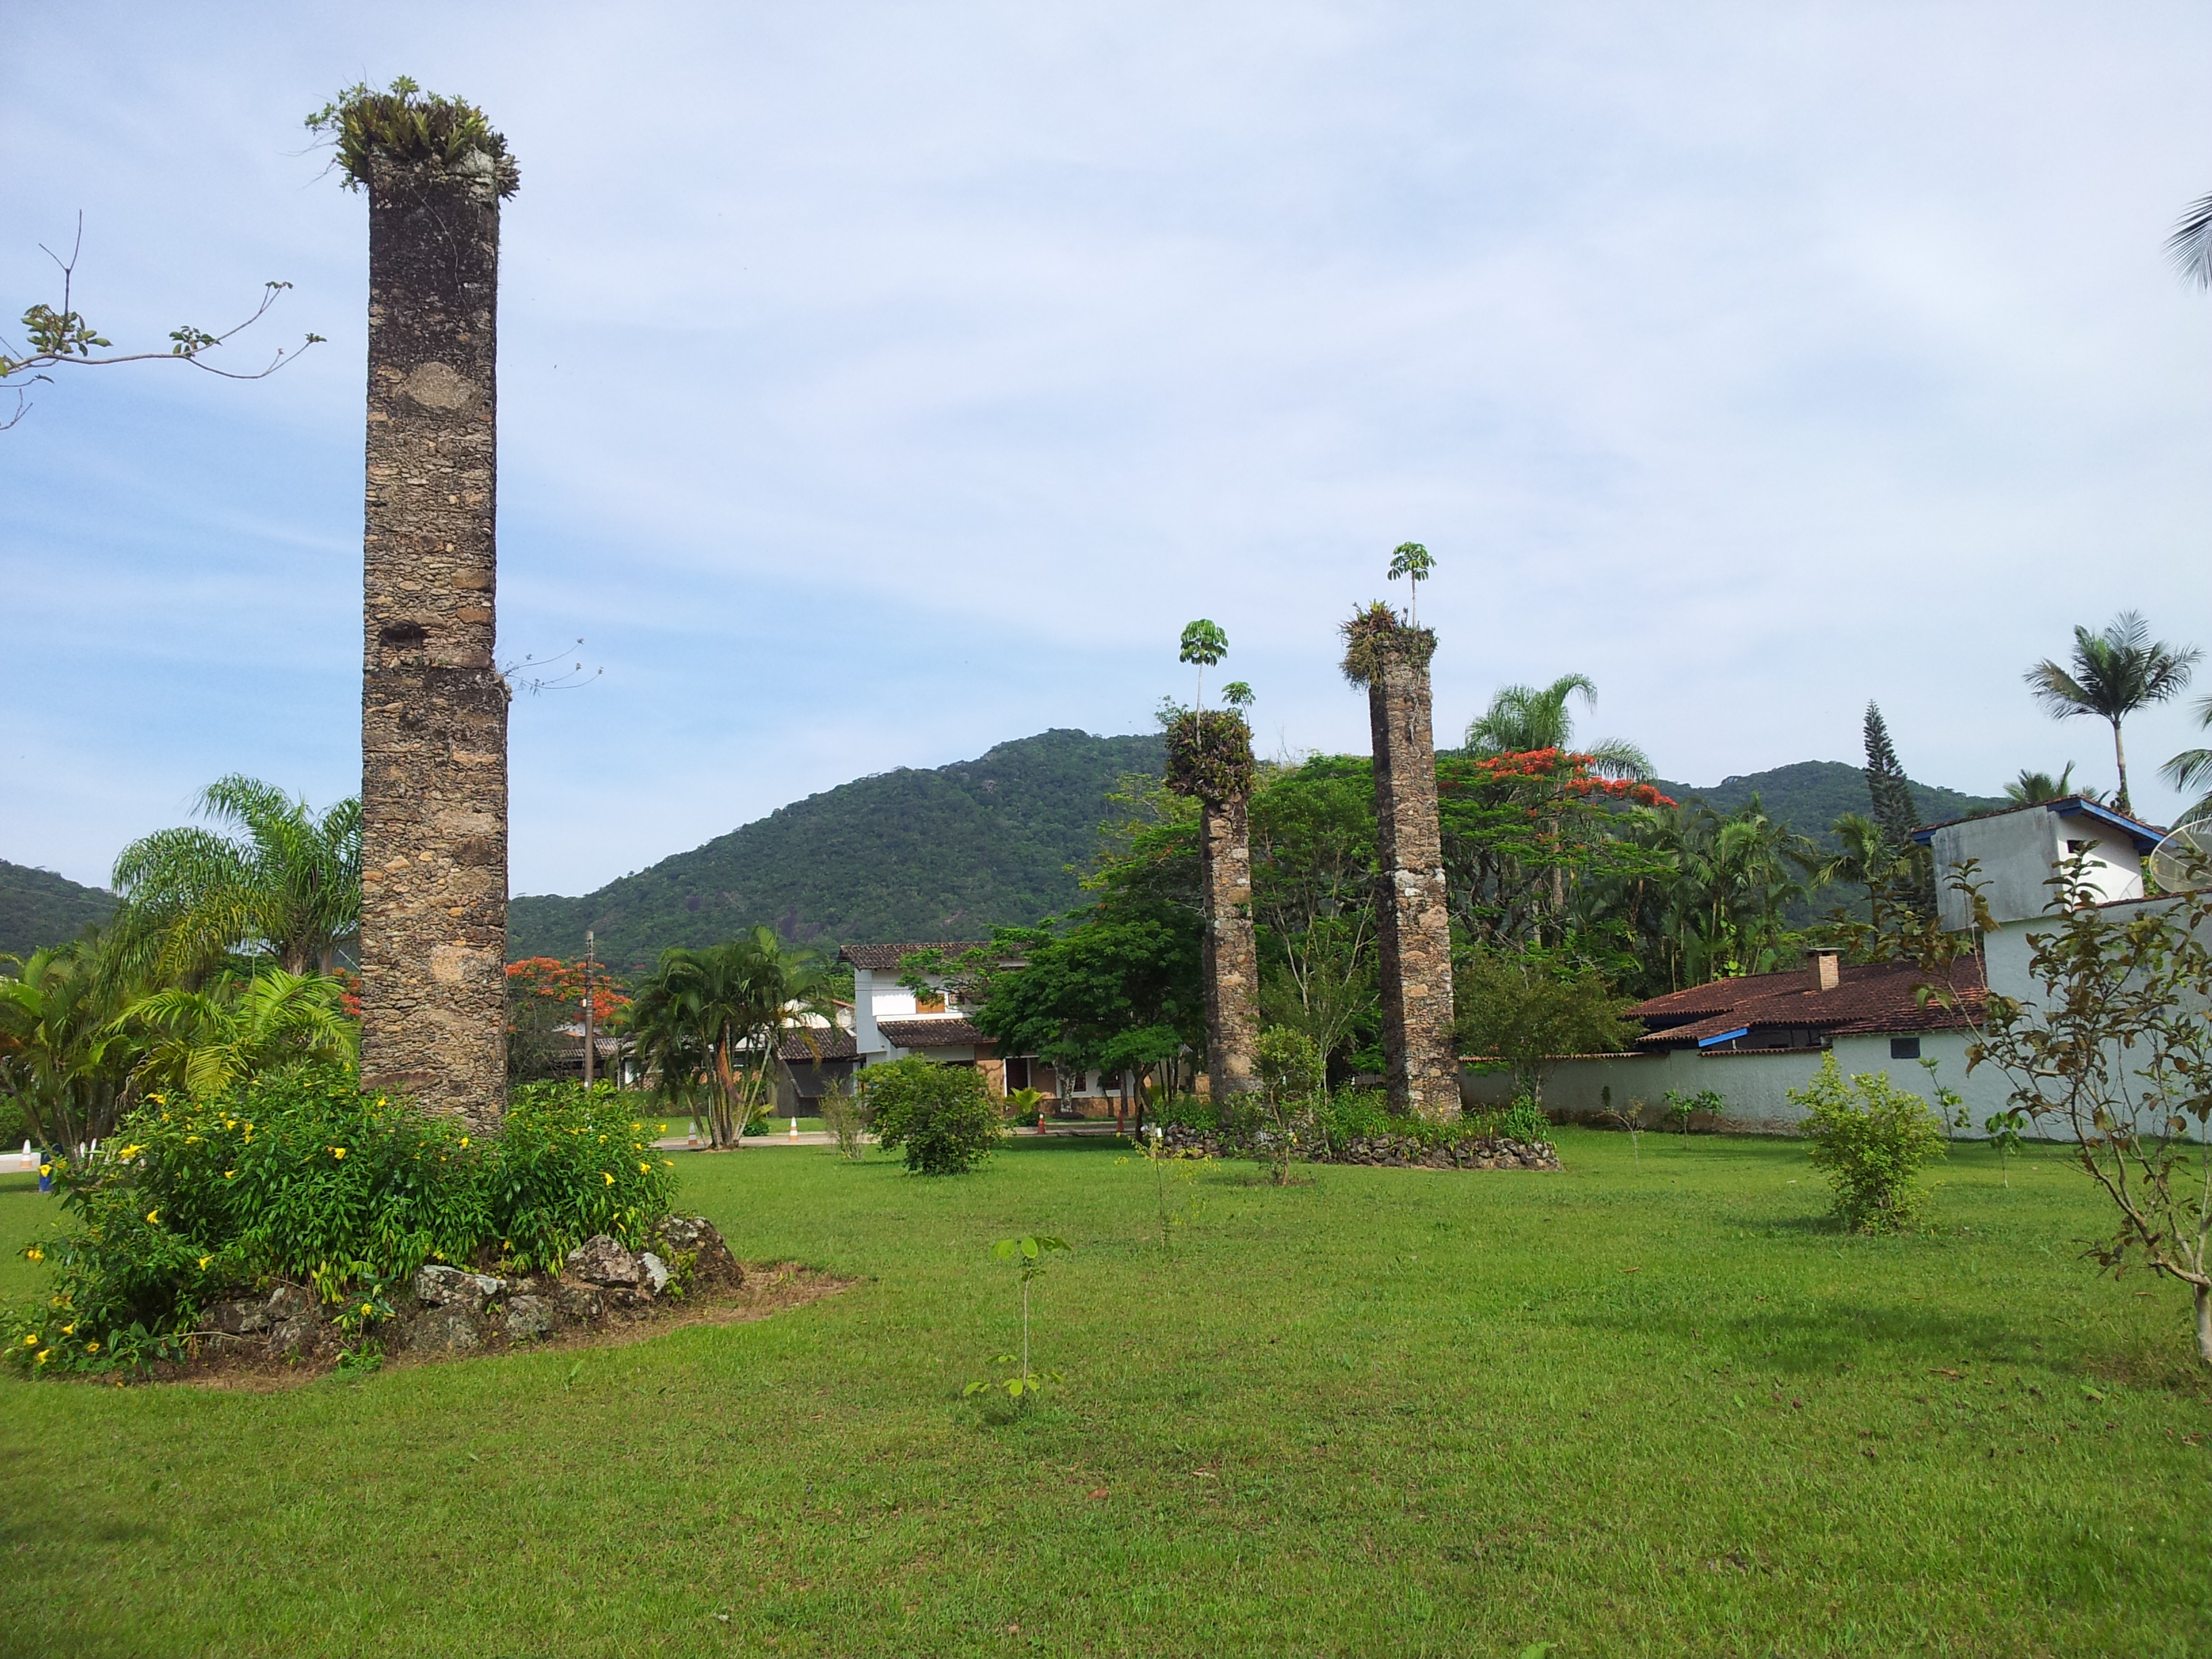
x,y
1750,1041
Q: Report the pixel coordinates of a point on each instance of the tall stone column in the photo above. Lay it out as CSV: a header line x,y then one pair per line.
x,y
1210,758
1391,660
434,704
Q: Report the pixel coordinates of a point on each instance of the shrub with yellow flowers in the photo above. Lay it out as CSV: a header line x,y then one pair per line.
x,y
300,1176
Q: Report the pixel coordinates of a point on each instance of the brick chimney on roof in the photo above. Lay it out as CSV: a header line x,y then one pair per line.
x,y
1826,968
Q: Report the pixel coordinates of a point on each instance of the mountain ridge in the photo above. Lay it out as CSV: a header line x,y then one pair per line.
x,y
947,851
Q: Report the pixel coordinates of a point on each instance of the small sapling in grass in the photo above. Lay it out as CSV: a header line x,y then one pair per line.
x,y
1030,1251
2003,1130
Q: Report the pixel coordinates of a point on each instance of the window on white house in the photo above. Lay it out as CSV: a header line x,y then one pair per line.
x,y
1904,1047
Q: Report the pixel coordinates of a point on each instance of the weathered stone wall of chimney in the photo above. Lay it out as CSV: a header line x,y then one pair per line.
x,y
1231,948
434,704
1414,923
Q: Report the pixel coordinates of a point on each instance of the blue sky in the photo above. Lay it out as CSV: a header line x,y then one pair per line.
x,y
879,382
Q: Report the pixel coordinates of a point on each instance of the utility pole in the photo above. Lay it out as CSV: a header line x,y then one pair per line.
x,y
590,1052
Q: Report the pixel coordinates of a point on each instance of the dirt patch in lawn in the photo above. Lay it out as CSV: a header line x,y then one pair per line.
x,y
769,1288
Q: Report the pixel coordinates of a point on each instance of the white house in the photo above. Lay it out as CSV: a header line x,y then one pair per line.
x,y
892,1021
1753,1039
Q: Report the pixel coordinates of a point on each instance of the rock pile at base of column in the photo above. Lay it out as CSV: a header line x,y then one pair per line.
x,y
447,1309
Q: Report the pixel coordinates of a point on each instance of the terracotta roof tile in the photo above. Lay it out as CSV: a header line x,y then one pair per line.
x,y
1872,998
943,1033
834,1045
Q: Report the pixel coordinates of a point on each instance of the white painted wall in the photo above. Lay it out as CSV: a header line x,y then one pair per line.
x,y
1754,1083
2016,855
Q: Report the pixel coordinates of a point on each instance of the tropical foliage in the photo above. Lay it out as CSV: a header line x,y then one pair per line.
x,y
298,1176
286,885
2111,674
709,1023
941,1117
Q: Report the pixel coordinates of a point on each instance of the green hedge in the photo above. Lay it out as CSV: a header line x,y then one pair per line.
x,y
300,1176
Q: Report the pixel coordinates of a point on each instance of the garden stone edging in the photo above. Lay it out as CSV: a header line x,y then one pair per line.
x,y
452,1310
1382,1151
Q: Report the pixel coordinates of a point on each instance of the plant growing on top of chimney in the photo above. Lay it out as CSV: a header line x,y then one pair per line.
x,y
1412,561
1204,644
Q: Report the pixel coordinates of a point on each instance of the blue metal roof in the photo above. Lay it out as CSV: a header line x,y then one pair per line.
x,y
2143,835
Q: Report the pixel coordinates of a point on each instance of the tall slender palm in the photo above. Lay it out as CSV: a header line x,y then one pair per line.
x,y
202,1042
1522,718
288,885
1865,855
2114,672
2190,246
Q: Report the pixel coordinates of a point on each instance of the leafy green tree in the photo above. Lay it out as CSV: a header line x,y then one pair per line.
x,y
1713,895
203,1044
2111,674
1528,1010
1118,992
1523,719
1873,1139
1281,1112
286,885
942,1117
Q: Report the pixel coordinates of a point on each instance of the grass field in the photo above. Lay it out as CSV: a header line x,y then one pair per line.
x,y
1654,1408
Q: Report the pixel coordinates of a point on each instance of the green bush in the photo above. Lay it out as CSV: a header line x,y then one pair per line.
x,y
14,1128
1872,1138
300,1176
942,1116
1524,1121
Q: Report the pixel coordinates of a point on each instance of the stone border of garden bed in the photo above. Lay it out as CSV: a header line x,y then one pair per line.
x,y
1382,1151
605,1294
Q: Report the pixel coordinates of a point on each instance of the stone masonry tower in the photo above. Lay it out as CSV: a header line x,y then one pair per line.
x,y
434,704
1391,660
1210,756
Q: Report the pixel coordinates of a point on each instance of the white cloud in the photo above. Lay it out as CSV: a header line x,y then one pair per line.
x,y
880,382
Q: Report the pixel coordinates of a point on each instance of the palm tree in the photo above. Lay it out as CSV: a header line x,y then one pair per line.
x,y
203,1042
1522,718
2032,789
2191,245
1865,855
289,885
2115,672
2193,767
723,1011
60,1055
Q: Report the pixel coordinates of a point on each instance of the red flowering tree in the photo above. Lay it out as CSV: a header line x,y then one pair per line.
x,y
543,995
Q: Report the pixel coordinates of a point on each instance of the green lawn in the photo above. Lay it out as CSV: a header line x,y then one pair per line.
x,y
1385,1412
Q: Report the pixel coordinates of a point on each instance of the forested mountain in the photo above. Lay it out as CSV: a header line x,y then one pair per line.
x,y
1811,795
947,852
910,854
38,906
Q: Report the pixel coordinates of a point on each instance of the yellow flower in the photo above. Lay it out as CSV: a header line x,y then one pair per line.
x,y
464,1140
637,1126
154,1217
69,1330
227,1174
366,1311
45,1354
337,1151
644,1169
35,1254
668,1163
91,1346
664,1128
46,1168
605,1177
203,1262
32,1340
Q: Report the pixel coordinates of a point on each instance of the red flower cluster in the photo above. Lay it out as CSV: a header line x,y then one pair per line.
x,y
1570,773
564,981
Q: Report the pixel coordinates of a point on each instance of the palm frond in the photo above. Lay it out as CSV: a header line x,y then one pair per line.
x,y
2190,246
